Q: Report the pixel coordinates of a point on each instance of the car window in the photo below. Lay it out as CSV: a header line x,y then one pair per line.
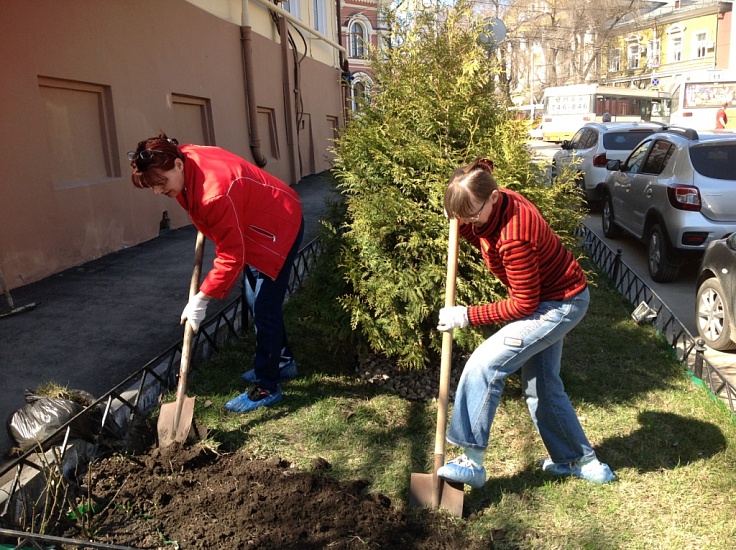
x,y
589,139
636,158
658,157
576,138
715,160
623,141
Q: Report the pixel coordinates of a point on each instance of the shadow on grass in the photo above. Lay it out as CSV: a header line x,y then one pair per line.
x,y
664,441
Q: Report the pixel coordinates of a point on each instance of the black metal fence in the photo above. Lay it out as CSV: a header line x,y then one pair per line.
x,y
690,350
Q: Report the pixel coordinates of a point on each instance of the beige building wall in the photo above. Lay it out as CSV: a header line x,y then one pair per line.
x,y
255,14
84,80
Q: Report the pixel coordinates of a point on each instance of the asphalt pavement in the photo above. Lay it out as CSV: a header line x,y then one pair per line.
x,y
95,324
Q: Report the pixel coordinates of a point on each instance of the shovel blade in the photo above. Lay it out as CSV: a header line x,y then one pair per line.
x,y
169,431
423,494
19,309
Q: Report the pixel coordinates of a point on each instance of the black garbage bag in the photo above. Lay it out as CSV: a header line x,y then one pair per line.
x,y
42,417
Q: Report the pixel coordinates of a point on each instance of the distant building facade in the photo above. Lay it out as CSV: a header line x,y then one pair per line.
x,y
655,44
667,41
361,27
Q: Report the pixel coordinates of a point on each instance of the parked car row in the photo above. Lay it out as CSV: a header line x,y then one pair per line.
x,y
593,146
676,192
674,189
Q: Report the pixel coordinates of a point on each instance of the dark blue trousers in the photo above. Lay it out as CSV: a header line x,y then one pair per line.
x,y
265,298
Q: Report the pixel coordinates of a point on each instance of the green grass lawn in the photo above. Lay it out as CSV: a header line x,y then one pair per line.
x,y
670,444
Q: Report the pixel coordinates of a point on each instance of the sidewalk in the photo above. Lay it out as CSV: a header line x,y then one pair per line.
x,y
97,323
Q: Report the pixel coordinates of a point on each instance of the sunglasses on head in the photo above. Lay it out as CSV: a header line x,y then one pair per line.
x,y
146,154
143,159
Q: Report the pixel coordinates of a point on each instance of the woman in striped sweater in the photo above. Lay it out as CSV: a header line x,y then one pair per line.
x,y
547,297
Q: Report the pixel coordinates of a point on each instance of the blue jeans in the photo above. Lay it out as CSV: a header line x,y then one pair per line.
x,y
534,345
265,298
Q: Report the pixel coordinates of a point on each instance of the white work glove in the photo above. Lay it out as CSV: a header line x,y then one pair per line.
x,y
195,311
453,317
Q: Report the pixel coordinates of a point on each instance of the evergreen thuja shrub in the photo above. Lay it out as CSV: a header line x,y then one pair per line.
x,y
434,107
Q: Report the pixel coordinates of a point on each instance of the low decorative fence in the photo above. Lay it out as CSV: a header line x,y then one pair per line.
x,y
690,350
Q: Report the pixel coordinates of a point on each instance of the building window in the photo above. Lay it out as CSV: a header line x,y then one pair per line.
x,y
292,6
358,95
614,60
359,90
654,50
634,56
675,45
320,16
357,40
700,45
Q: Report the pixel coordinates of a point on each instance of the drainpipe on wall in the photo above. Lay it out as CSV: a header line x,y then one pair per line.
x,y
284,36
247,51
344,65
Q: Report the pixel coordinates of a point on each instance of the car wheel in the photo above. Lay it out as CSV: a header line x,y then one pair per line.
x,y
713,316
580,181
661,268
610,229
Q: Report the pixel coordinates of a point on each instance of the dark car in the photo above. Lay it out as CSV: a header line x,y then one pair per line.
x,y
716,294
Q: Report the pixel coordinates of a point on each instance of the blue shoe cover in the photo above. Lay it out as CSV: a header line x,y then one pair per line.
x,y
256,397
286,372
463,470
591,470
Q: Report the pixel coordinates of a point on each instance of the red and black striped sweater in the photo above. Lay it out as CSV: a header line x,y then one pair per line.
x,y
520,248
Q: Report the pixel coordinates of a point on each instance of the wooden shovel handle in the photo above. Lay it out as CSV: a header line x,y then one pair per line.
x,y
181,389
446,359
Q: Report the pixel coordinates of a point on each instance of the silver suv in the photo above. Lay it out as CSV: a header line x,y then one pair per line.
x,y
676,192
594,145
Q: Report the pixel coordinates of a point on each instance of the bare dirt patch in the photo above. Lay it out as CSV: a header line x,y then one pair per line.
x,y
191,497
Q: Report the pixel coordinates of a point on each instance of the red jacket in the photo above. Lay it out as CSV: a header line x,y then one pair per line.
x,y
252,217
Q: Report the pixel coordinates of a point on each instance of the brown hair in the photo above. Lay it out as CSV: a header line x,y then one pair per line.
x,y
469,184
147,172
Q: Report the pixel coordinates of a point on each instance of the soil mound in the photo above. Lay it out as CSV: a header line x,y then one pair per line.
x,y
191,497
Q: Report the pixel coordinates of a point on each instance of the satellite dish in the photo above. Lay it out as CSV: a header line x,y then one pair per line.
x,y
494,32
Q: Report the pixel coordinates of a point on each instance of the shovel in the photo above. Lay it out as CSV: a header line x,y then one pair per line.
x,y
175,419
429,490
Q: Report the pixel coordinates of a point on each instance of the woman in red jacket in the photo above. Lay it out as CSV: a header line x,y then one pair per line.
x,y
256,223
548,296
